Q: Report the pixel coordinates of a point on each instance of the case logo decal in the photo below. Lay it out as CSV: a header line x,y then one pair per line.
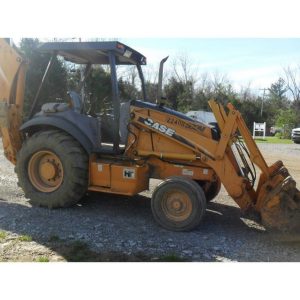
x,y
162,128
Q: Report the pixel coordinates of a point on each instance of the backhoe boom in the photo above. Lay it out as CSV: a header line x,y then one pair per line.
x,y
12,84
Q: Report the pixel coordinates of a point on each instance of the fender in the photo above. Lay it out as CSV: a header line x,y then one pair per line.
x,y
62,124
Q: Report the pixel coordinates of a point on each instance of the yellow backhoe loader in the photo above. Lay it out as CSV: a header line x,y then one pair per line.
x,y
62,151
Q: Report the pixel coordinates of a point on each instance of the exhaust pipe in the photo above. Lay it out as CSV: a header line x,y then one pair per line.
x,y
160,78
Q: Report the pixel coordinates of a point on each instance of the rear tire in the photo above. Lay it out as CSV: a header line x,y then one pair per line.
x,y
52,169
178,204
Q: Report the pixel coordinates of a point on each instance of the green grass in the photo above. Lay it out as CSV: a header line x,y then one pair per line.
x,y
273,140
3,235
25,238
42,259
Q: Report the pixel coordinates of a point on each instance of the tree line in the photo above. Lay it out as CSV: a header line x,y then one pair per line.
x,y
184,89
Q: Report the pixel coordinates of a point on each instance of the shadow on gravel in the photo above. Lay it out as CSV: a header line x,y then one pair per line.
x,y
119,228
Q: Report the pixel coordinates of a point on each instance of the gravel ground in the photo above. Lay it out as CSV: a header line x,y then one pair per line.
x,y
114,228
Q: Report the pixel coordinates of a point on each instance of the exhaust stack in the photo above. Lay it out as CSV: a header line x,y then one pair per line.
x,y
160,78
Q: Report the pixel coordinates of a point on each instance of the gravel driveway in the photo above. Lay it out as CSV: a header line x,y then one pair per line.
x,y
122,228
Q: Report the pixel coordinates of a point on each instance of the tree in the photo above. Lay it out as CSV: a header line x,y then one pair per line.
x,y
292,82
250,110
55,86
278,90
277,94
183,70
287,120
180,88
98,89
179,94
151,91
128,90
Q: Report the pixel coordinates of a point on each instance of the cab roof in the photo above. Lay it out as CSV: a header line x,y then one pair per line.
x,y
94,52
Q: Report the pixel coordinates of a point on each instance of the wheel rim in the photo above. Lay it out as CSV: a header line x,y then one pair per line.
x,y
45,171
176,205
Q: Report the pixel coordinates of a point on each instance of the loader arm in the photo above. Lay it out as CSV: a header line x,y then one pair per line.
x,y
12,84
232,157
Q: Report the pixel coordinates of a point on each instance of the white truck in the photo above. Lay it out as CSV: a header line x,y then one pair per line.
x,y
296,135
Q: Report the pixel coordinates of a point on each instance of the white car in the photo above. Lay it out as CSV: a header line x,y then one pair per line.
x,y
296,135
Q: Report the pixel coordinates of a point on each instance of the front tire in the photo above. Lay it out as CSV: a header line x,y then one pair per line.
x,y
52,169
178,204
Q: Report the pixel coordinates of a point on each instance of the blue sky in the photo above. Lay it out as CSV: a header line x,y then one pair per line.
x,y
256,61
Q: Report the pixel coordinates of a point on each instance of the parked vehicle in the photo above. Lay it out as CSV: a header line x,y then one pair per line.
x,y
202,116
296,135
274,130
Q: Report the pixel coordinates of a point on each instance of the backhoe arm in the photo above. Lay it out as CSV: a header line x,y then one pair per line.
x,y
12,84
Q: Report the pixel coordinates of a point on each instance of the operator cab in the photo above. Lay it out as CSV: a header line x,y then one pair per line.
x,y
107,132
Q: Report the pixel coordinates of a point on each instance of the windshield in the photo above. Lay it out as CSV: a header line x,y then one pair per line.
x,y
97,87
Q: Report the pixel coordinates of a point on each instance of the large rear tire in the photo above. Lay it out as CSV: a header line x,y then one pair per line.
x,y
52,169
178,204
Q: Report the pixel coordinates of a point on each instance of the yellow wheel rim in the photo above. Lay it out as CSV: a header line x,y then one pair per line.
x,y
176,205
45,171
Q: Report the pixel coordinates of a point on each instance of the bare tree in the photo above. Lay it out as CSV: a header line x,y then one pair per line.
x,y
150,73
204,84
292,80
219,80
246,92
183,69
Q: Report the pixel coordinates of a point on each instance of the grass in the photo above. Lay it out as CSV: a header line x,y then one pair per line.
x,y
42,259
25,238
3,235
273,140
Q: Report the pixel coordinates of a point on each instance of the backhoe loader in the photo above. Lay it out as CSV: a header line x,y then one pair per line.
x,y
62,151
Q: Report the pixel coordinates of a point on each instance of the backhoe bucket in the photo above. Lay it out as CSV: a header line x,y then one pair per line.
x,y
279,202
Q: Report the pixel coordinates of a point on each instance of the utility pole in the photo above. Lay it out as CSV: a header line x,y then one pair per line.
x,y
262,101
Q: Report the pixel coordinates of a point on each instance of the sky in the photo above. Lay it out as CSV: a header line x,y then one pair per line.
x,y
255,61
